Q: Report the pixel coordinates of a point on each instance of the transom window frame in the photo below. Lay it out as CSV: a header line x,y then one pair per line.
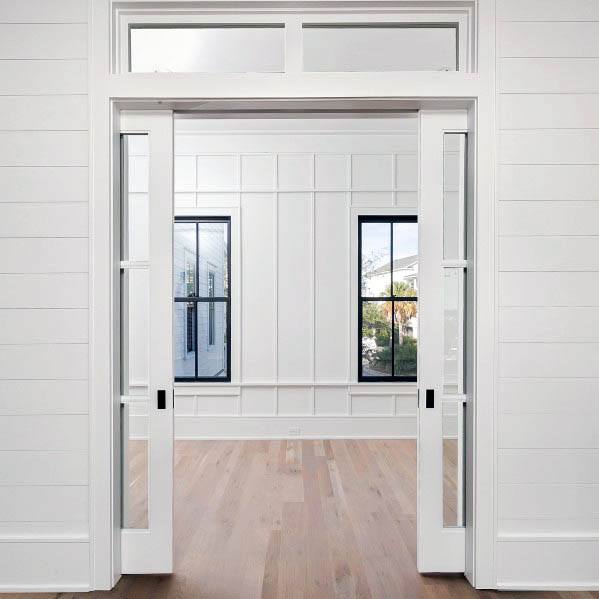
x,y
381,218
210,299
458,14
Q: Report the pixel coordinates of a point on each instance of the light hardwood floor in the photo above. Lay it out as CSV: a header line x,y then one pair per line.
x,y
297,519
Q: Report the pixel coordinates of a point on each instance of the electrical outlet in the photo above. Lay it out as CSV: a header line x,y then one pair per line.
x,y
295,431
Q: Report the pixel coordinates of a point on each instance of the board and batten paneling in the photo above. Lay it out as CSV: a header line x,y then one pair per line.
x,y
292,184
548,208
44,404
296,182
258,335
295,294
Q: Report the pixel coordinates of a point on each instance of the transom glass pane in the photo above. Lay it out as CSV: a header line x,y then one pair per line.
x,y
368,47
218,48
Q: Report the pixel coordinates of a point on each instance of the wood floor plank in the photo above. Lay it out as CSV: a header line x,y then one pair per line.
x,y
292,572
319,583
270,582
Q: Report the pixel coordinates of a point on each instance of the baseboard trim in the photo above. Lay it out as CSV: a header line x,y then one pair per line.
x,y
286,438
401,426
42,539
553,538
513,586
45,588
295,427
289,427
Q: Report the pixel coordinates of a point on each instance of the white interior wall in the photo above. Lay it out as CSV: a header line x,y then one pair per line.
x,y
548,225
291,186
44,505
548,78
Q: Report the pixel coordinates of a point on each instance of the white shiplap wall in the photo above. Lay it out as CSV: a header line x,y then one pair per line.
x,y
548,182
44,494
548,293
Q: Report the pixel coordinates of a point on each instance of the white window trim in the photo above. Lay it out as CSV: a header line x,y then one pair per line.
x,y
234,213
355,212
125,18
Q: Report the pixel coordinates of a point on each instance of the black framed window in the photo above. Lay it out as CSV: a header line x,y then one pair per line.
x,y
387,298
202,291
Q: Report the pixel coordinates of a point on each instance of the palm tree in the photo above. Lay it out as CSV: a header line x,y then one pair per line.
x,y
405,310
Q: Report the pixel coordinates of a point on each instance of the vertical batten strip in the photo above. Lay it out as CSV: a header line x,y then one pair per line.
x,y
394,181
276,284
239,293
350,295
313,281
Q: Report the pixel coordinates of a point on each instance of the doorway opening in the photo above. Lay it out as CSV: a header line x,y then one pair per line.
x,y
299,464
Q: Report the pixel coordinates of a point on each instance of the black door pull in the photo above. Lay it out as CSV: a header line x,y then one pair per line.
x,y
430,398
161,399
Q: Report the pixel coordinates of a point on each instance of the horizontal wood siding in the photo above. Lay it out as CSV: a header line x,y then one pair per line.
x,y
44,266
548,222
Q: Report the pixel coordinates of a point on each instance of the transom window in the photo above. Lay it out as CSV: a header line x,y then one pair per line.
x,y
388,298
235,40
202,274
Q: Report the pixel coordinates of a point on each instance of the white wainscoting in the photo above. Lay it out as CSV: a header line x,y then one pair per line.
x,y
287,411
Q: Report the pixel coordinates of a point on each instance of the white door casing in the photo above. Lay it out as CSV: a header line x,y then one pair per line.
x,y
439,549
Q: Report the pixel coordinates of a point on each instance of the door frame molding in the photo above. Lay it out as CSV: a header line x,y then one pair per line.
x,y
110,93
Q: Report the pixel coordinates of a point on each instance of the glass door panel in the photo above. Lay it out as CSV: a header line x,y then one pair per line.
x,y
146,322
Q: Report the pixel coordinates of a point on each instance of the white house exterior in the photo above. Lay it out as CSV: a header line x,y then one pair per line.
x,y
404,269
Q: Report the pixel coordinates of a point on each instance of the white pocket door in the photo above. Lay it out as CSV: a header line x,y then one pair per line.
x,y
146,348
441,381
